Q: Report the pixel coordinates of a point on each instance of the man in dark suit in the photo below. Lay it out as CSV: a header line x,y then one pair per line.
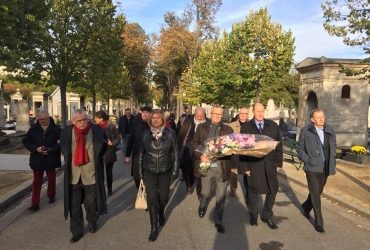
x,y
135,143
186,159
83,145
125,125
316,149
219,170
261,173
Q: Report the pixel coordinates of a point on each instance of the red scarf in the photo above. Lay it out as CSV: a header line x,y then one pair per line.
x,y
103,124
81,156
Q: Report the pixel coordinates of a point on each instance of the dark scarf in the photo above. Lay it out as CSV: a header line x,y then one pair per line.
x,y
81,156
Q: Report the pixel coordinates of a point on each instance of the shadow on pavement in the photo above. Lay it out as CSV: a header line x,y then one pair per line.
x,y
272,245
355,180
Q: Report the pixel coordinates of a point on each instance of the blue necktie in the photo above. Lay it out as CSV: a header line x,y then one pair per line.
x,y
260,127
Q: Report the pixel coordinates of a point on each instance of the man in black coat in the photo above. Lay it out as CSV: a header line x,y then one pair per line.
x,y
135,143
125,126
316,148
186,154
42,140
261,173
83,145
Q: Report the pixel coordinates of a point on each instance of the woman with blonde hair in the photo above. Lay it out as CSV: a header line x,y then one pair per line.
x,y
158,166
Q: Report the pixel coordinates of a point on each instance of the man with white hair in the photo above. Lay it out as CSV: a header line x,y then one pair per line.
x,y
186,155
42,140
83,144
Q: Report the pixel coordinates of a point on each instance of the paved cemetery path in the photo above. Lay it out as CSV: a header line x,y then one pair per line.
x,y
127,228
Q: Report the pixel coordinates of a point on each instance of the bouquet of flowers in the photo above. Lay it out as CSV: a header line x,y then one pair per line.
x,y
236,143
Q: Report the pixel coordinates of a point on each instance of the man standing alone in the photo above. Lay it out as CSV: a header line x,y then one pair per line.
x,y
316,149
83,145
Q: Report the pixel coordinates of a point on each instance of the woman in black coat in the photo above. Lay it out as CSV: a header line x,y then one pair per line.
x,y
158,164
102,120
42,140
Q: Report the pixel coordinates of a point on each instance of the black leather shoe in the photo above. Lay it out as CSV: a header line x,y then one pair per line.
x,y
153,233
51,200
33,208
253,221
201,212
270,223
220,228
75,238
320,229
92,228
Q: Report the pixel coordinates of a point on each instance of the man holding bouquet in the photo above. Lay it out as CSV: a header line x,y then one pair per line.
x,y
261,173
219,170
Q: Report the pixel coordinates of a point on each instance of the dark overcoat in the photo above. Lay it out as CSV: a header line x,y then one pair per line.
x,y
100,146
112,134
263,177
201,135
37,137
134,144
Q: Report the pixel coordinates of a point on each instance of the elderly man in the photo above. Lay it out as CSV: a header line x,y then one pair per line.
x,y
317,142
218,173
42,140
83,145
187,161
261,173
242,118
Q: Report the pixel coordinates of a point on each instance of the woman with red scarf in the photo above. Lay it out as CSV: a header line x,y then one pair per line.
x,y
102,120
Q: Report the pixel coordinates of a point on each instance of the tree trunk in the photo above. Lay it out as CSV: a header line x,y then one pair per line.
x,y
94,102
63,98
2,110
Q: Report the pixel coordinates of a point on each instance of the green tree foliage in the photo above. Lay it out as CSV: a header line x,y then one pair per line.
x,y
136,59
350,20
61,38
237,67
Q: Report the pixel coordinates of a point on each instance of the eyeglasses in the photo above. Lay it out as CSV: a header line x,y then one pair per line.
x,y
243,113
81,120
216,114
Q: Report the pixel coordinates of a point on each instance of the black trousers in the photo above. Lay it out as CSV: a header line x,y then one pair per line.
x,y
85,194
316,183
157,186
252,201
233,181
187,168
109,172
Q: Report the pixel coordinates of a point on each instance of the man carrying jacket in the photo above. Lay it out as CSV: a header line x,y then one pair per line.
x,y
316,148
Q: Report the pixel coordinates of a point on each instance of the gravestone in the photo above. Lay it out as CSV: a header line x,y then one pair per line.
x,y
23,117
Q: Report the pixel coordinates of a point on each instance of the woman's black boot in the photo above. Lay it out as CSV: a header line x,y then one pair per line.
x,y
153,213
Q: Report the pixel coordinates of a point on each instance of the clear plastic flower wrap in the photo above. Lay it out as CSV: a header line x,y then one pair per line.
x,y
239,144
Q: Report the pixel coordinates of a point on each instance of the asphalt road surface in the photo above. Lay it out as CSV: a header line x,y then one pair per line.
x,y
124,227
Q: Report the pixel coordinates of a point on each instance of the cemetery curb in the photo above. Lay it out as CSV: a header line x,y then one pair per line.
x,y
19,192
334,198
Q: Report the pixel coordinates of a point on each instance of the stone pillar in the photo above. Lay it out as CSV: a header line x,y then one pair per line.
x,y
23,116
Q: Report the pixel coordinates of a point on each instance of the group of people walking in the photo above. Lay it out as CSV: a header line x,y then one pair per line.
x,y
157,151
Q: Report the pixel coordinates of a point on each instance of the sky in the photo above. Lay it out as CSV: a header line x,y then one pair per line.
x,y
302,17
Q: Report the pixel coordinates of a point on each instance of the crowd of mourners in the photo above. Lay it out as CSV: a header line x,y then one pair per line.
x,y
157,148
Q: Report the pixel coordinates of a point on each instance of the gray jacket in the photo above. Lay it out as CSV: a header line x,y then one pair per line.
x,y
309,149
